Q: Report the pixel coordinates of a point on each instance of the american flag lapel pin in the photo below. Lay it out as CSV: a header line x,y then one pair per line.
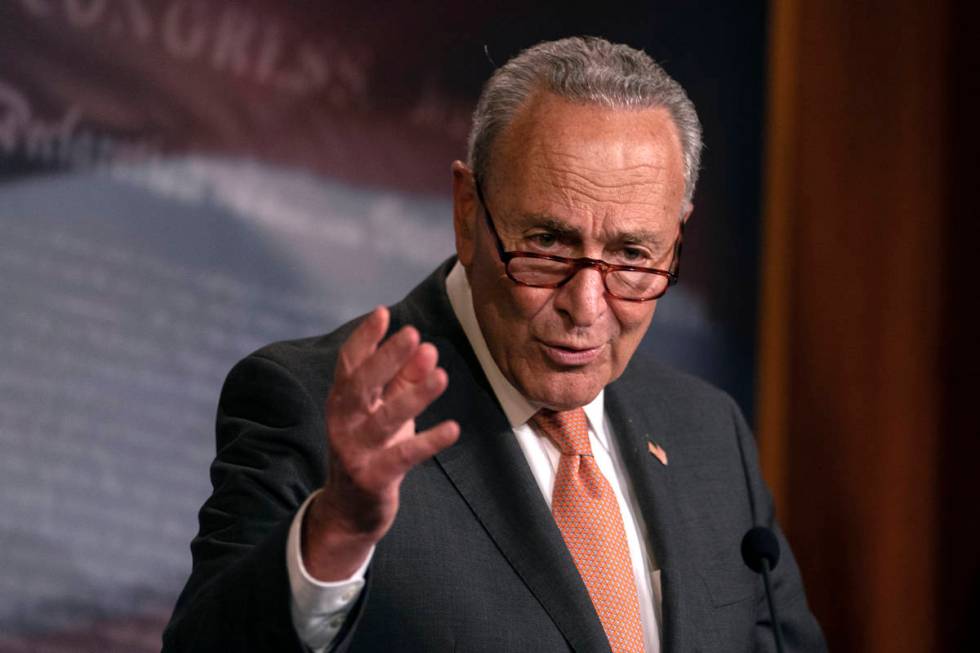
x,y
657,451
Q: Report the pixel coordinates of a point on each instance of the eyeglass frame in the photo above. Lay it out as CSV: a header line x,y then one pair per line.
x,y
581,262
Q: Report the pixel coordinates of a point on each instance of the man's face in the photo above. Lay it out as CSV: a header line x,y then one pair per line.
x,y
571,180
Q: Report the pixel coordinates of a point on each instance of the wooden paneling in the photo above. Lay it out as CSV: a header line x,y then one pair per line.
x,y
852,398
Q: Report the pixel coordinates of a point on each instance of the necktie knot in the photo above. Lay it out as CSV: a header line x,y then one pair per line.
x,y
567,429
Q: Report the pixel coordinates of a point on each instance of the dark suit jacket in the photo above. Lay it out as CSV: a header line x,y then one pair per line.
x,y
474,561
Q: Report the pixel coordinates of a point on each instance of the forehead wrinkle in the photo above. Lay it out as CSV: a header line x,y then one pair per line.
x,y
605,177
607,199
632,211
577,187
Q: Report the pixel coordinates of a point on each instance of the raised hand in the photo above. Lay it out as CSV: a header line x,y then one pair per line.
x,y
378,390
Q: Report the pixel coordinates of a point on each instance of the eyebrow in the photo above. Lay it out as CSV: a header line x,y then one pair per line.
x,y
565,230
551,223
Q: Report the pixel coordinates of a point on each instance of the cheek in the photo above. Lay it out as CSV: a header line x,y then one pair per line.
x,y
509,315
524,311
634,320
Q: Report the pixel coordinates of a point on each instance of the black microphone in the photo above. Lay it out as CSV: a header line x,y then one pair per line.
x,y
760,551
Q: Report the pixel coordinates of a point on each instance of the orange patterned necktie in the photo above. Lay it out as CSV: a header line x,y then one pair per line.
x,y
587,515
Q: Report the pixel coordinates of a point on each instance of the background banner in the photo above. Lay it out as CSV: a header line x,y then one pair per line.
x,y
182,182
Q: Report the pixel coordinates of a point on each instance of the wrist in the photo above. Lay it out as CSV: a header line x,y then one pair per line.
x,y
330,549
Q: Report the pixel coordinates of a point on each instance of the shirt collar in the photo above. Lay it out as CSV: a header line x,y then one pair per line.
x,y
516,407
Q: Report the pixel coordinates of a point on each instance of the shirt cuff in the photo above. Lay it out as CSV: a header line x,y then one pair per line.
x,y
318,608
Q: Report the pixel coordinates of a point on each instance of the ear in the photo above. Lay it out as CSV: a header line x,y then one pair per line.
x,y
465,210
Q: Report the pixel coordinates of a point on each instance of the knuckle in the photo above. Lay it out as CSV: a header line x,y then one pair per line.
x,y
381,418
403,455
357,394
358,470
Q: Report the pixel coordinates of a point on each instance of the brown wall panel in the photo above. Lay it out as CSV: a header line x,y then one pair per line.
x,y
852,395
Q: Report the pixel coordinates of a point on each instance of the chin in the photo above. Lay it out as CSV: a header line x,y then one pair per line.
x,y
561,391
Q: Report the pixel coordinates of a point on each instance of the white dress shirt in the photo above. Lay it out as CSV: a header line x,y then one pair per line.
x,y
319,609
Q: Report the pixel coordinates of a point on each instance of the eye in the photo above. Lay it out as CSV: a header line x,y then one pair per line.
x,y
633,255
543,240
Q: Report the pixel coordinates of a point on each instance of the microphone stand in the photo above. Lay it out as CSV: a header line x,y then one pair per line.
x,y
776,626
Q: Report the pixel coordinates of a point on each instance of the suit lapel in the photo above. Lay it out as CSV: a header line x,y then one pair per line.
x,y
636,422
489,470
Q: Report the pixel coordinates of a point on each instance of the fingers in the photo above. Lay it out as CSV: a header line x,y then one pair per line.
x,y
362,342
409,401
415,370
380,387
377,370
395,460
364,367
418,367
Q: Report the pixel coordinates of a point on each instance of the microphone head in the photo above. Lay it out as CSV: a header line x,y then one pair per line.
x,y
760,544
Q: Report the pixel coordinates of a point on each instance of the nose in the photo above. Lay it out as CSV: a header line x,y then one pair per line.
x,y
583,297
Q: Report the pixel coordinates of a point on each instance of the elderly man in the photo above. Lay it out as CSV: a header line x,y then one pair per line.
x,y
484,466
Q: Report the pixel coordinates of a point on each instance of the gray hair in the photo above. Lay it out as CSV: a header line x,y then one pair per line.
x,y
589,70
